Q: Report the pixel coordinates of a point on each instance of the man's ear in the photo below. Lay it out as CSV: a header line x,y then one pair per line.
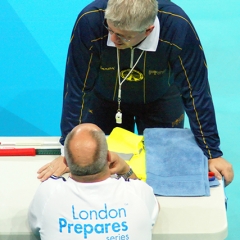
x,y
108,157
65,161
149,30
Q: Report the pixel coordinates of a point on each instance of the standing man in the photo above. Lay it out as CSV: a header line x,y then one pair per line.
x,y
91,204
139,61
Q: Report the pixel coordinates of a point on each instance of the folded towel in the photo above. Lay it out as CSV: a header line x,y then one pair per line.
x,y
129,146
175,165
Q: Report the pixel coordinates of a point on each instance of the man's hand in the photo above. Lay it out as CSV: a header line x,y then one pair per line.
x,y
57,167
118,165
221,167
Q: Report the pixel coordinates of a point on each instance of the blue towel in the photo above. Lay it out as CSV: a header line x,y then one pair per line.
x,y
214,183
175,165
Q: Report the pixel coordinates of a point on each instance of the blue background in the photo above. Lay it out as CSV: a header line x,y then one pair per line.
x,y
34,37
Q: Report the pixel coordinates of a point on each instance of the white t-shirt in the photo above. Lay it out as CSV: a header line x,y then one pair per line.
x,y
108,210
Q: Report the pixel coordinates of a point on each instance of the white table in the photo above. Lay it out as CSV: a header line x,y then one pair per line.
x,y
180,218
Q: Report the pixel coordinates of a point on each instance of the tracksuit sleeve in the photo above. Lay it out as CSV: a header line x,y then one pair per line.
x,y
191,76
80,74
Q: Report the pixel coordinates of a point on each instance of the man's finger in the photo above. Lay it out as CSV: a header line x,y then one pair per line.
x,y
228,177
43,168
218,175
46,173
45,177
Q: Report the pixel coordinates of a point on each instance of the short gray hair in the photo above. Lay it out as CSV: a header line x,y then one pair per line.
x,y
99,156
132,15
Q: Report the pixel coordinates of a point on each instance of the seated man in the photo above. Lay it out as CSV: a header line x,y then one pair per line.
x,y
91,204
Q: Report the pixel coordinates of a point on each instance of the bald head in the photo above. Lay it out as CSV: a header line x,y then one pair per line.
x,y
83,145
86,150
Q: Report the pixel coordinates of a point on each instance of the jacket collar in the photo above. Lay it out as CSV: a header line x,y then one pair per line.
x,y
150,43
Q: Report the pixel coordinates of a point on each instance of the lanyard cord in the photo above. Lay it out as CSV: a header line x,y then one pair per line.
x,y
119,79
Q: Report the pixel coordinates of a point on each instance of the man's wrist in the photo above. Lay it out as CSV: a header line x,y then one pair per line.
x,y
127,174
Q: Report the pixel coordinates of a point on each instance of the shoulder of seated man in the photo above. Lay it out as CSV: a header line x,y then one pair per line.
x,y
58,178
